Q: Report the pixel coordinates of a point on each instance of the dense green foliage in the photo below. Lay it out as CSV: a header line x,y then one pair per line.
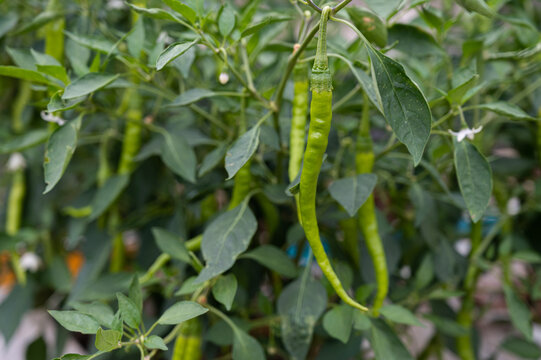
x,y
152,203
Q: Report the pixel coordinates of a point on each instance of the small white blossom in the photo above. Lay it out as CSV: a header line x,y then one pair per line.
x,y
47,116
513,206
463,246
165,38
115,4
16,162
466,133
405,272
30,261
223,78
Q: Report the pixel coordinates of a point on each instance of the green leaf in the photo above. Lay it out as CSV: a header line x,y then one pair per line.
x,y
75,321
155,342
135,293
172,52
414,41
224,290
274,259
43,18
107,340
101,45
478,6
182,9
74,357
188,287
136,39
521,316
129,311
399,314
98,310
338,322
178,155
191,96
252,29
528,256
171,244
386,344
457,95
59,150
404,105
372,27
523,348
25,141
226,21
474,178
225,238
506,109
245,347
300,305
56,104
25,74
58,72
7,23
180,312
155,13
361,322
107,194
352,192
447,326
384,8
241,151
87,84
212,159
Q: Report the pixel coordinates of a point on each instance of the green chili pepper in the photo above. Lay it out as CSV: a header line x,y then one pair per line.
x,y
298,123
320,124
132,132
364,160
188,342
54,33
14,216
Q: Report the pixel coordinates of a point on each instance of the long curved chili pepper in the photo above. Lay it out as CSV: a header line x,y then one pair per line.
x,y
188,342
320,124
364,160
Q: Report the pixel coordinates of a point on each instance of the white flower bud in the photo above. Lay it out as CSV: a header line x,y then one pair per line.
x,y
16,162
463,247
223,78
47,116
466,133
513,206
30,261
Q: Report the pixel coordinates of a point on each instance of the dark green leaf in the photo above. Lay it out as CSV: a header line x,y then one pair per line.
x,y
519,312
225,238
88,84
404,105
386,343
273,258
75,321
171,244
25,74
508,110
372,27
224,290
172,52
178,155
180,312
135,293
523,348
191,96
474,178
338,322
241,151
226,21
107,194
22,142
129,311
352,192
59,150
212,159
414,41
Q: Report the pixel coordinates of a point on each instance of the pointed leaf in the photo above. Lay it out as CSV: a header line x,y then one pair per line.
x,y
506,109
178,155
241,151
75,321
172,52
155,342
338,322
519,312
191,96
107,194
399,314
88,84
107,340
352,192
246,347
182,9
273,258
171,244
225,289
386,343
129,311
180,312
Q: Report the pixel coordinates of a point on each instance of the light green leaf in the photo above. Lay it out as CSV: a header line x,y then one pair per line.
x,y
226,21
414,41
25,141
271,19
56,104
224,290
180,312
212,159
241,151
520,315
225,238
182,9
107,194
404,105
338,322
7,22
129,311
136,39
300,305
58,72
178,155
273,258
457,95
171,244
75,321
101,45
155,342
399,314
246,347
87,84
352,192
361,322
474,178
26,74
372,27
506,109
40,20
188,287
384,8
135,293
155,13
107,340
59,150
447,326
172,52
386,343
191,96
521,347
98,310
478,6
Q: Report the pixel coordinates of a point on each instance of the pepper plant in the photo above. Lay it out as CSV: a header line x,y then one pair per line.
x,y
178,184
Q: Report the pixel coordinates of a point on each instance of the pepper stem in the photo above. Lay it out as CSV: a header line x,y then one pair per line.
x,y
321,62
